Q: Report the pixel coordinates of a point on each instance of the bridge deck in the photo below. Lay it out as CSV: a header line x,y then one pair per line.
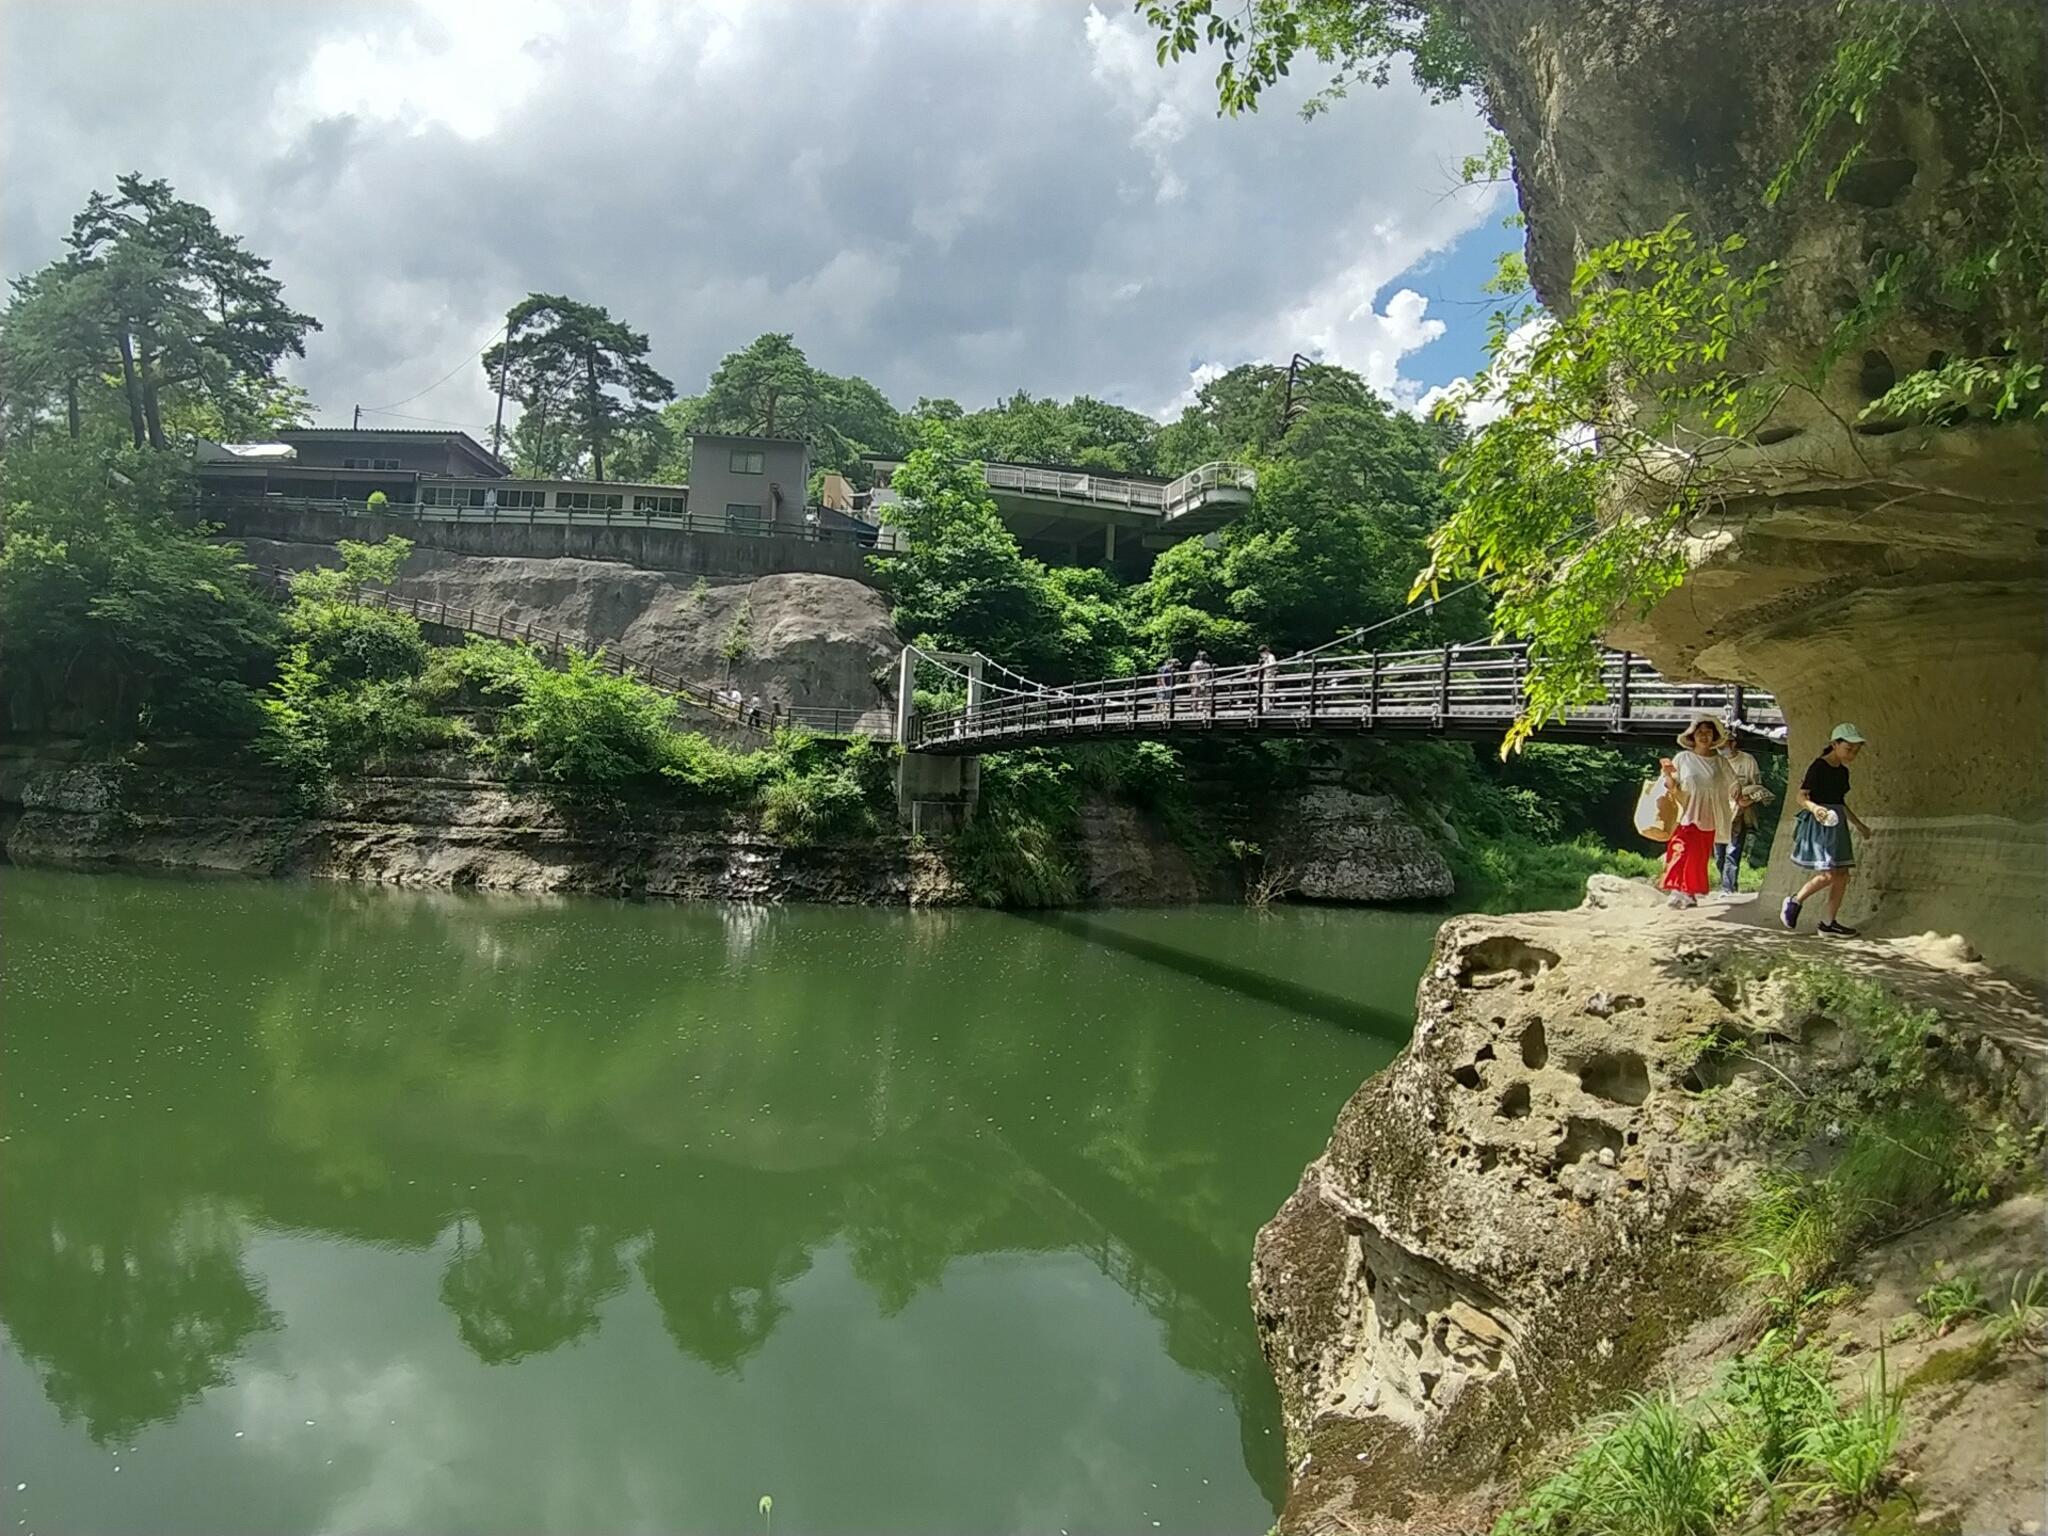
x,y
1473,691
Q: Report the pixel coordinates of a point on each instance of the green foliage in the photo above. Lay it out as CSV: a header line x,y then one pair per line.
x,y
1640,365
579,373
110,608
1024,429
964,585
738,643
351,690
378,502
1843,1459
769,387
1953,1299
1019,851
2024,1317
1358,40
1907,1138
581,724
1768,1437
155,321
824,796
1992,261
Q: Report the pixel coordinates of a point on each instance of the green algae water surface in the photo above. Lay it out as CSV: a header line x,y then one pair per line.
x,y
332,1209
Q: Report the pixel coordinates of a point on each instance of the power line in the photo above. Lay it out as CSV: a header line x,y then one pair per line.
x,y
381,410
437,421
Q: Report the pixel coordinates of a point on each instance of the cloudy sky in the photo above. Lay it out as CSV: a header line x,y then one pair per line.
x,y
947,196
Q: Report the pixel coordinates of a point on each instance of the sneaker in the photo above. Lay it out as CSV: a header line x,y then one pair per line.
x,y
1788,914
1839,930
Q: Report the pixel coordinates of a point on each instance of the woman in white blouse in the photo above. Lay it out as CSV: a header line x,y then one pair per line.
x,y
1705,788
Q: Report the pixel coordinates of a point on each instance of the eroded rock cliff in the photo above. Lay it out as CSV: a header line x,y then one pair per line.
x,y
1864,570
798,638
1522,1218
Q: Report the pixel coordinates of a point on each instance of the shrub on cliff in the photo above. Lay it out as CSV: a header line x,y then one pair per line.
x,y
108,605
580,724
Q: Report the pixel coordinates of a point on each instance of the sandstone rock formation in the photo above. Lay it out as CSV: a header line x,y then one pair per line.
x,y
1863,570
817,641
1334,844
455,827
1517,1220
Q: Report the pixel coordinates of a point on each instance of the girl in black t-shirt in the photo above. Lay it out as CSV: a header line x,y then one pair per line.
x,y
1820,834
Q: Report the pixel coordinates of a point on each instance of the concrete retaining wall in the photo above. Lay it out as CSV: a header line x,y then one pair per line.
x,y
655,549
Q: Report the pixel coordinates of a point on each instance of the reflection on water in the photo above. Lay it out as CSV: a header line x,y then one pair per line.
x,y
332,1208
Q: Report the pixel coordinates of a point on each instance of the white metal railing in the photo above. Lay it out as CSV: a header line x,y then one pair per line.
x,y
1116,491
1197,483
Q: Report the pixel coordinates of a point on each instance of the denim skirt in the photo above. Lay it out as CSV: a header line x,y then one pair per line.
x,y
1818,847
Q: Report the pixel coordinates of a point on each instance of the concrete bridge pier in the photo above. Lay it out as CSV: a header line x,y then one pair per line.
x,y
934,793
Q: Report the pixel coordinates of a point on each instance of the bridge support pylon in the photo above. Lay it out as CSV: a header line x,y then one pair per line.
x,y
934,793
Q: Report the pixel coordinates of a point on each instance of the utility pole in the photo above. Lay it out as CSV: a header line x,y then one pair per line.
x,y
1294,367
504,362
357,425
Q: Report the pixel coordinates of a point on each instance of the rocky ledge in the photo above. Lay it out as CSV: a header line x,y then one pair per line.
x,y
1519,1220
450,824
451,827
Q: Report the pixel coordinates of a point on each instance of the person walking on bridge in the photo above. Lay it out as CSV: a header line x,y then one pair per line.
x,y
1169,675
1269,669
1820,833
1202,673
1705,792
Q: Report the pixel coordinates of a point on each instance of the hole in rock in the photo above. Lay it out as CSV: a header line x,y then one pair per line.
x,y
1489,1158
1875,374
1878,428
1466,1076
1515,1102
1503,952
1630,1138
1583,1138
1535,1047
1877,181
1766,436
1710,1072
1484,1053
1620,1077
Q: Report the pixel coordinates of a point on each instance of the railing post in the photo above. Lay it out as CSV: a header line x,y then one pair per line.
x,y
1621,709
1314,666
1735,705
1372,696
1443,707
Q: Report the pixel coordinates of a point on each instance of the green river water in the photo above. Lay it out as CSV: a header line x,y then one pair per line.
x,y
328,1208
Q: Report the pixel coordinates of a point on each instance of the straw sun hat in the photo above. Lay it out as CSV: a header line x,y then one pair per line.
x,y
1720,729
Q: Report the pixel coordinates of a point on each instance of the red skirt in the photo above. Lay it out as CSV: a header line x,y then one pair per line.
x,y
1685,860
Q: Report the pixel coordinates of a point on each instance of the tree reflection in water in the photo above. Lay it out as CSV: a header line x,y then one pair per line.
x,y
568,1096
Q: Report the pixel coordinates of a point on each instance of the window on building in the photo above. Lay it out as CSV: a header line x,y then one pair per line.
x,y
666,506
350,463
743,516
748,461
588,501
521,501
452,496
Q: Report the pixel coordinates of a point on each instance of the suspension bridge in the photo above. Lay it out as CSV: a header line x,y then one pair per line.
x,y
1470,691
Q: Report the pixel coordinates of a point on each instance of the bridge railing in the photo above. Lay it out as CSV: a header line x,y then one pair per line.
x,y
1475,685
